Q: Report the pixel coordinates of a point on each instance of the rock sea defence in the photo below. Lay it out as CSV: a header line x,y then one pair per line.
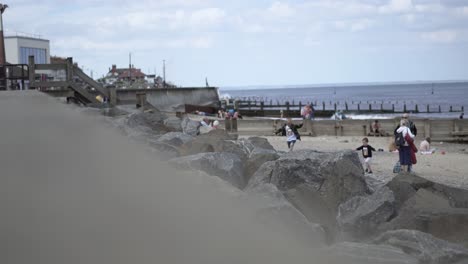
x,y
324,194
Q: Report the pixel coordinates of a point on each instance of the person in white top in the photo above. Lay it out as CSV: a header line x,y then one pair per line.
x,y
425,146
291,137
405,150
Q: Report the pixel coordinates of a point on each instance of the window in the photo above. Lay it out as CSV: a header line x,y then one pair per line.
x,y
40,55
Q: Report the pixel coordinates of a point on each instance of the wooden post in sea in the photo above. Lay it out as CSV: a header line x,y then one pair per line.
x,y
427,108
248,102
346,106
358,107
300,106
451,109
323,105
440,109
335,107
393,108
287,108
370,107
381,107
261,105
404,108
463,109
416,109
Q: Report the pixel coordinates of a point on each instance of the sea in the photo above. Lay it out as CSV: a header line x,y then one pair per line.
x,y
436,96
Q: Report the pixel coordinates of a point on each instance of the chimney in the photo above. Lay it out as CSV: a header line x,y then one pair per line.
x,y
114,67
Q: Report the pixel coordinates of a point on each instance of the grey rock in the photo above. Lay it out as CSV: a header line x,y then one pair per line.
x,y
360,216
430,207
430,212
314,182
405,186
256,142
335,176
358,253
175,138
425,247
227,166
168,151
151,120
173,123
214,141
257,158
273,209
190,127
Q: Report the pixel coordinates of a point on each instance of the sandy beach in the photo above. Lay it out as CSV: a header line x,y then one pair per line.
x,y
450,168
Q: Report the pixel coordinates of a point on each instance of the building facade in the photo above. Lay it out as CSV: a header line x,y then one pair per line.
x,y
19,48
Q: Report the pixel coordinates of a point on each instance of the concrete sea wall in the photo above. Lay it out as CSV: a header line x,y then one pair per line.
x,y
437,129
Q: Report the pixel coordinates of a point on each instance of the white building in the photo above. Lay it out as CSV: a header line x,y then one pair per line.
x,y
19,48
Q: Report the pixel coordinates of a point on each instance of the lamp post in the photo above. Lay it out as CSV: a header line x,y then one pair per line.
x,y
3,82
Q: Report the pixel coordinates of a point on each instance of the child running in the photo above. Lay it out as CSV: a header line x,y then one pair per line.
x,y
366,153
291,137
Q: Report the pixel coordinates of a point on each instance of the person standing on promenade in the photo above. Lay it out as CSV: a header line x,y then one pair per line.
x,y
405,149
366,154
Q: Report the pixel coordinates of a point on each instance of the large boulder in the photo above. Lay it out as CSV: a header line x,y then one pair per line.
x,y
431,212
257,157
335,176
358,253
315,182
173,123
252,143
273,209
166,151
425,247
360,216
153,121
175,138
227,166
190,127
429,207
216,140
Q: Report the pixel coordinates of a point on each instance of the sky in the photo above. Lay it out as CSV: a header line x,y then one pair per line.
x,y
256,42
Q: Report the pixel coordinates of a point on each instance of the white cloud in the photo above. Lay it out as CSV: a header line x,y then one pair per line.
x,y
463,10
429,8
282,10
311,42
409,18
207,17
441,36
353,25
361,25
397,6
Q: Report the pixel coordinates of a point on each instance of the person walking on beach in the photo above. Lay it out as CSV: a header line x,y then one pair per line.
x,y
405,149
366,154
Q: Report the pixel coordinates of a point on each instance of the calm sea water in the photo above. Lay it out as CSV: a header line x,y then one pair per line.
x,y
443,94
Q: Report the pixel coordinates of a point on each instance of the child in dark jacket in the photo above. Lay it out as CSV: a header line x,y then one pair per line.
x,y
366,153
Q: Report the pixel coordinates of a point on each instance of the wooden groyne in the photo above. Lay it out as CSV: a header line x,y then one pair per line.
x,y
326,109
